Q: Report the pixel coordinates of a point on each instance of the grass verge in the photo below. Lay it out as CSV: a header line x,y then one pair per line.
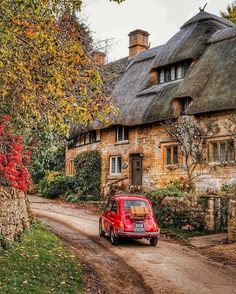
x,y
39,264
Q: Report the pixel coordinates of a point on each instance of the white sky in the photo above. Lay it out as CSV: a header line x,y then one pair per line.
x,y
161,18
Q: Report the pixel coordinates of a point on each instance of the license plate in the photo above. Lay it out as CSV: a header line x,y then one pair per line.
x,y
139,227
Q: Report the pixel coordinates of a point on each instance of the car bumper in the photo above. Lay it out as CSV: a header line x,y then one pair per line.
x,y
137,235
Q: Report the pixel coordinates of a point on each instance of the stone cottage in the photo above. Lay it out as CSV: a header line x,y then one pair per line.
x,y
192,74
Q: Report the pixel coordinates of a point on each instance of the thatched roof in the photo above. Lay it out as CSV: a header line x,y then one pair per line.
x,y
206,39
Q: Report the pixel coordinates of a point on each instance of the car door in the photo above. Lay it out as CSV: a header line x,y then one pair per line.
x,y
113,214
106,217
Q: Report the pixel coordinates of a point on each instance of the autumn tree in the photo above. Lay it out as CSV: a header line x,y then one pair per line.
x,y
47,78
192,135
230,14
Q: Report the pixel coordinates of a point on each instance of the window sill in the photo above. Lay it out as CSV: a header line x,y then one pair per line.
x,y
122,143
222,163
114,176
172,166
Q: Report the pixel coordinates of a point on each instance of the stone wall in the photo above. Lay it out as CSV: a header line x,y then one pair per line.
x,y
14,216
181,212
232,219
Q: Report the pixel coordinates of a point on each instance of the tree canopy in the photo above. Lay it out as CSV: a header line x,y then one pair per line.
x,y
230,13
47,77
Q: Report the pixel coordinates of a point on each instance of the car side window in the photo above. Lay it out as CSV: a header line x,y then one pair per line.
x,y
114,206
109,204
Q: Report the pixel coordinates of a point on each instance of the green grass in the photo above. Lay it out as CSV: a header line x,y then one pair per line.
x,y
39,264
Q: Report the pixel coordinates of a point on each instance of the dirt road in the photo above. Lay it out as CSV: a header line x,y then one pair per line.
x,y
134,266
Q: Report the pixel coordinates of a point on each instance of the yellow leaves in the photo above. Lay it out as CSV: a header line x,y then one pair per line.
x,y
30,34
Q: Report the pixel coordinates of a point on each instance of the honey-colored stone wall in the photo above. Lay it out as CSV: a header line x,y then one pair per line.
x,y
13,213
149,141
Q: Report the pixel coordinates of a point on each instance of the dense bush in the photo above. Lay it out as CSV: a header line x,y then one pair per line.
x,y
88,173
54,185
45,158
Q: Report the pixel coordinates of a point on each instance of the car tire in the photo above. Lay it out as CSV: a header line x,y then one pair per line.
x,y
101,232
114,239
154,241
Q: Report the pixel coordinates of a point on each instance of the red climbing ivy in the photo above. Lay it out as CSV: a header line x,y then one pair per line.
x,y
14,157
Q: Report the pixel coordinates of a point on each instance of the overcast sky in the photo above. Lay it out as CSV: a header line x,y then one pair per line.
x,y
161,18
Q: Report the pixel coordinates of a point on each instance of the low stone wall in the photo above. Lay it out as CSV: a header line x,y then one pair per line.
x,y
14,217
182,212
232,220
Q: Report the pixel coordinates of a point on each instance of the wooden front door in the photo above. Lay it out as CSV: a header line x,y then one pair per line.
x,y
136,170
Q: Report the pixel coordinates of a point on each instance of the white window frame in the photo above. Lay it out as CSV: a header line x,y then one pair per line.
x,y
116,165
123,135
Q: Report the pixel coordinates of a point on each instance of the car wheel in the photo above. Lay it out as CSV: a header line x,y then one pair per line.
x,y
101,232
114,239
153,241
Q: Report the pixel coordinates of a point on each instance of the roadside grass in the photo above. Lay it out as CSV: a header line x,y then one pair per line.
x,y
39,263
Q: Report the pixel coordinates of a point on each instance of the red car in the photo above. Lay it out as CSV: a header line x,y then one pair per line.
x,y
120,219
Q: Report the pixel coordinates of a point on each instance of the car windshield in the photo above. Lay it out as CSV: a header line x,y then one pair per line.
x,y
129,203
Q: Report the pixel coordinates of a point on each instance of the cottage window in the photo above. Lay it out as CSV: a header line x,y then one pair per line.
x,y
93,136
115,165
174,72
184,103
171,155
122,134
222,151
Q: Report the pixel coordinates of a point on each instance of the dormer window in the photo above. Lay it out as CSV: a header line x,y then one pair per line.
x,y
174,72
184,103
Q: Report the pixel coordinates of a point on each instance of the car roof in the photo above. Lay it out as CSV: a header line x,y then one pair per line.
x,y
128,196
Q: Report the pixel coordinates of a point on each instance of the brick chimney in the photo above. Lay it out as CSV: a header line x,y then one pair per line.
x,y
98,58
138,41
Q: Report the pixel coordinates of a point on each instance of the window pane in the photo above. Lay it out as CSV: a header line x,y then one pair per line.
x,y
222,152
175,156
113,165
82,139
118,165
93,136
185,68
168,156
87,140
179,71
230,151
162,76
126,133
172,73
114,207
119,133
167,75
214,156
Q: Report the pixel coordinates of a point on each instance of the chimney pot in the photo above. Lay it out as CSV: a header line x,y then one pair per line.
x,y
98,58
138,42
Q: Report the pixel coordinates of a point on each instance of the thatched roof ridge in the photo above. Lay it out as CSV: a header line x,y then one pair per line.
x,y
205,16
189,42
223,35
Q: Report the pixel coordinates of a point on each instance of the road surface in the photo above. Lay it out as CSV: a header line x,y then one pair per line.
x,y
133,266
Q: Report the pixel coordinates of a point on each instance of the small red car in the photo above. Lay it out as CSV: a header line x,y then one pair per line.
x,y
117,222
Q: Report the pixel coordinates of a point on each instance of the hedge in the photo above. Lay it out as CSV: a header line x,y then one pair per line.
x,y
88,172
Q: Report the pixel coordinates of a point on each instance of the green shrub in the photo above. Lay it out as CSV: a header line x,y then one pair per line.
x,y
54,185
88,173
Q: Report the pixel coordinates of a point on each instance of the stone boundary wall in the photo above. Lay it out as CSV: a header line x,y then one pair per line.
x,y
232,220
182,212
14,216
